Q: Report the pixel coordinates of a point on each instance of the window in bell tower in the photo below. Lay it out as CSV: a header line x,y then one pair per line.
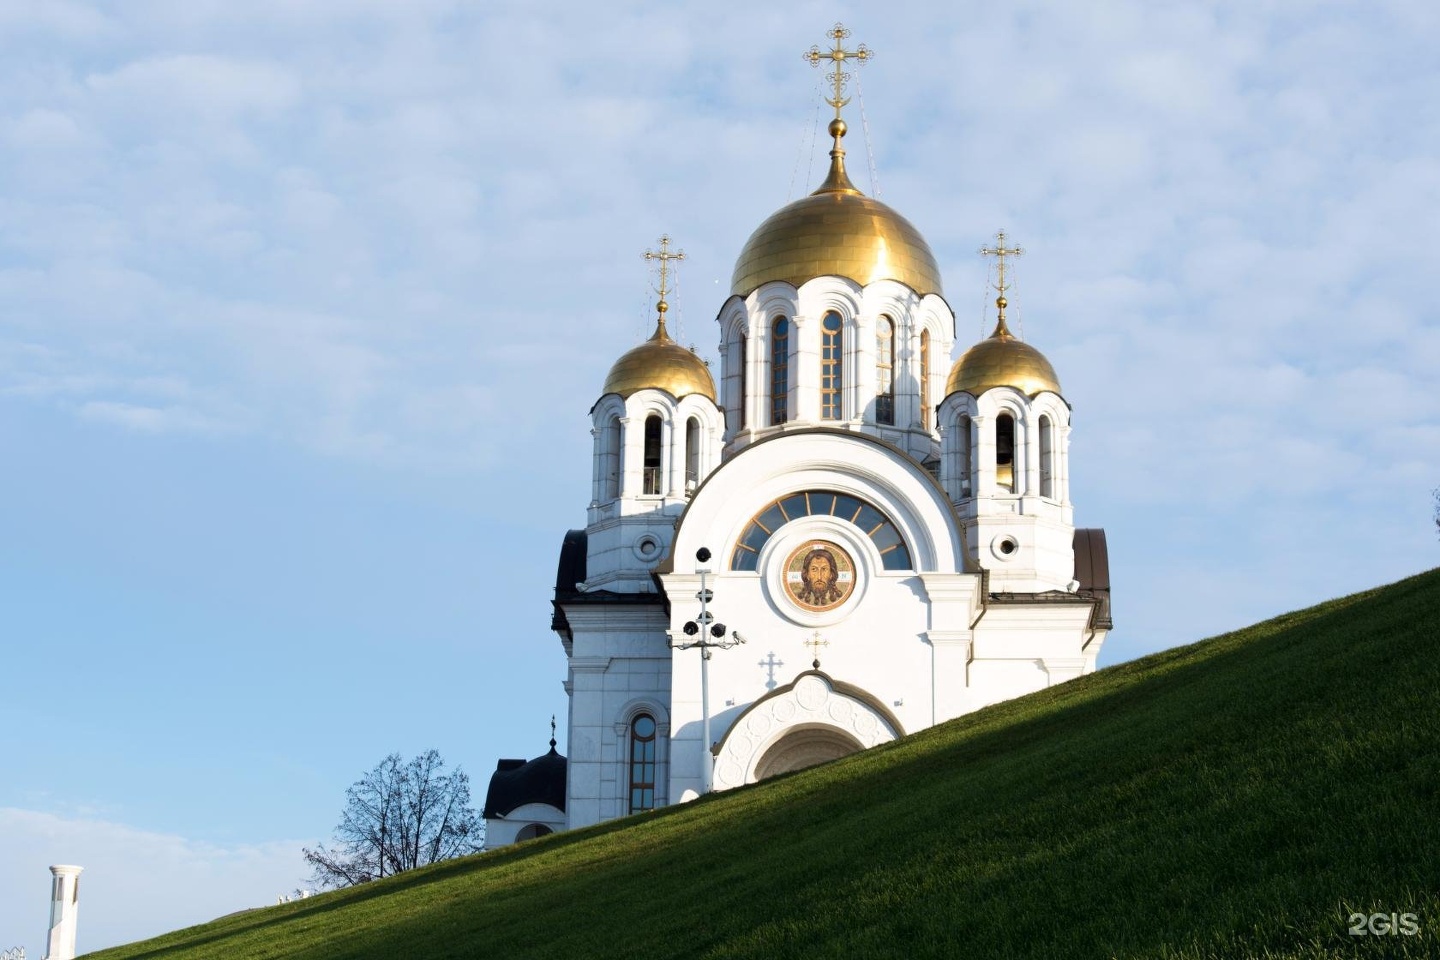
x,y
925,379
1005,453
652,485
1047,458
884,371
831,356
779,371
962,428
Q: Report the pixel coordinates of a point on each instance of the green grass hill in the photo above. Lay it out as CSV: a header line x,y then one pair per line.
x,y
1239,797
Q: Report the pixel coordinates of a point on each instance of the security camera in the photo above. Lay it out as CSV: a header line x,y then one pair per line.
x,y
717,630
703,555
691,628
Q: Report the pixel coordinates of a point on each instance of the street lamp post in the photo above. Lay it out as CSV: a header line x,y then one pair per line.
x,y
711,636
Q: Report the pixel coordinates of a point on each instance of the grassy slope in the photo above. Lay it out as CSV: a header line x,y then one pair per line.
x,y
1237,797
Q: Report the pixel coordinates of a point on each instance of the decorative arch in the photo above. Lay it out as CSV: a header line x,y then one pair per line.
x,y
854,463
816,709
859,511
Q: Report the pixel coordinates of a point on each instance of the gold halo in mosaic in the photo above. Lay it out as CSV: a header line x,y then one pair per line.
x,y
819,575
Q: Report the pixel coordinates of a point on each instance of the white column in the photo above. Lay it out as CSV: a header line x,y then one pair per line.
x,y
860,359
984,457
632,455
804,369
672,432
64,906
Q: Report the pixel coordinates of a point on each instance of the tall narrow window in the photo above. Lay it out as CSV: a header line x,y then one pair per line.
x,y
652,456
925,379
744,400
642,763
967,484
779,371
610,459
692,454
831,357
1005,453
884,371
1047,458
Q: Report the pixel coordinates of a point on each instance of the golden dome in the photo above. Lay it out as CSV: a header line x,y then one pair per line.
x,y
1002,361
661,364
836,231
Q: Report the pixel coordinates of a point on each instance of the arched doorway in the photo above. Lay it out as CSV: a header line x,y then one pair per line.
x,y
805,747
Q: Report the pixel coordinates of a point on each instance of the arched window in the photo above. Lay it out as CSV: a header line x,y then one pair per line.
x,y
925,379
692,454
966,467
610,458
1005,453
744,401
1047,458
652,485
779,371
831,357
642,763
532,830
884,371
871,520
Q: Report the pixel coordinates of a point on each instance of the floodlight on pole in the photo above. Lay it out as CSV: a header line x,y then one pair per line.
x,y
718,638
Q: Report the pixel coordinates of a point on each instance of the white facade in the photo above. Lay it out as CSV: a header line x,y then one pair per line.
x,y
982,605
891,534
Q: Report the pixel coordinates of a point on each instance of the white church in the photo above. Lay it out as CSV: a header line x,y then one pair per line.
x,y
845,539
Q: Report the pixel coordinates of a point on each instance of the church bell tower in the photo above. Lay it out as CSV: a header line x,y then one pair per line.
x,y
1005,456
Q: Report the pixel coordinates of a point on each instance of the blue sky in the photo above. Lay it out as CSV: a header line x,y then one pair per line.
x,y
303,307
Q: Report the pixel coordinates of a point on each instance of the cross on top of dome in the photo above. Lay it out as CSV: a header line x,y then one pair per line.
x,y
664,256
838,55
1000,252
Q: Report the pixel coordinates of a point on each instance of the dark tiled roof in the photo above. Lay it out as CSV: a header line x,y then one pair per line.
x,y
516,783
1092,569
570,571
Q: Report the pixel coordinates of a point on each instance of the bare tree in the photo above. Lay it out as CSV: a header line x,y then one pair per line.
x,y
399,816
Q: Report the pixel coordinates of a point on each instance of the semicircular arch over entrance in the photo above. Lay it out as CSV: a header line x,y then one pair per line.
x,y
810,721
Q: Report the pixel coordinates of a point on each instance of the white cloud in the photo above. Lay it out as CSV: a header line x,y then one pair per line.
x,y
137,883
197,84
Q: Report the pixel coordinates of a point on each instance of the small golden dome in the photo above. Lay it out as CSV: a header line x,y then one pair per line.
x,y
1002,361
836,231
661,364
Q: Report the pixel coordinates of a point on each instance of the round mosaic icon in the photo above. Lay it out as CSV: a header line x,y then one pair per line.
x,y
819,575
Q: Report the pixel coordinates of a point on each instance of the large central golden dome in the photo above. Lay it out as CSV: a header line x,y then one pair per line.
x,y
836,231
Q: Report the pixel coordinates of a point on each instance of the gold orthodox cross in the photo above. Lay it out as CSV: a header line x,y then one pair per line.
x,y
1000,252
664,256
815,643
838,55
